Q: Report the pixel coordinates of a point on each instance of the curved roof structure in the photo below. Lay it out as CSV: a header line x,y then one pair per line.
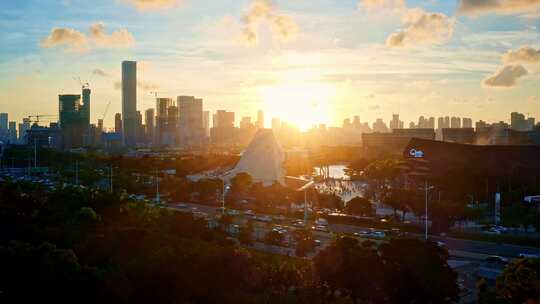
x,y
262,160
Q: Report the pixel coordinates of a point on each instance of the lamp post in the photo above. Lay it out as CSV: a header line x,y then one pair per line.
x,y
426,188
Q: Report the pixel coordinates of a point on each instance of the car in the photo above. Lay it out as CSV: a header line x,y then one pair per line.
x,y
181,205
264,218
441,244
249,212
317,242
320,228
496,259
233,212
529,255
298,223
321,222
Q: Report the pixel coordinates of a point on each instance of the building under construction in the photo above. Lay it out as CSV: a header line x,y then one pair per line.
x,y
75,119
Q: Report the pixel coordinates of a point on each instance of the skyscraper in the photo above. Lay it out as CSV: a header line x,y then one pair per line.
x,y
129,103
395,123
73,122
118,123
149,125
260,119
467,123
3,121
455,122
190,122
12,131
3,126
162,109
23,127
206,123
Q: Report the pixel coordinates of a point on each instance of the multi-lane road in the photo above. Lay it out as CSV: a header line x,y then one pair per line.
x,y
459,247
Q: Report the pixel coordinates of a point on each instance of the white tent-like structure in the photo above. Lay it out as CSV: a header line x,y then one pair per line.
x,y
262,160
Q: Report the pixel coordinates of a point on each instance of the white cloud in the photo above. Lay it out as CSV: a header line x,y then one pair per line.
x,y
73,40
70,39
284,28
382,5
146,5
479,7
525,54
506,76
422,28
120,38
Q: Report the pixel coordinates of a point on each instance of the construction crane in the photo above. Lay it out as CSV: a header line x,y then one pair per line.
x,y
84,85
106,110
38,117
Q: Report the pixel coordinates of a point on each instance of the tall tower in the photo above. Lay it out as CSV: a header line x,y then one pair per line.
x,y
190,122
260,119
149,123
129,103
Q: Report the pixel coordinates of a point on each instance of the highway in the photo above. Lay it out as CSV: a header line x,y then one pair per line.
x,y
457,247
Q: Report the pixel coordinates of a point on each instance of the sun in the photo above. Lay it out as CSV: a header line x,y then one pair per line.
x,y
301,104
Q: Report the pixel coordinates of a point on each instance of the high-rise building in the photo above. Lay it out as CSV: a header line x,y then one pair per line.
x,y
223,119
519,123
431,123
139,127
149,125
23,128
3,121
12,132
73,121
245,123
206,123
455,122
467,123
223,131
379,126
395,123
347,123
276,125
162,110
129,103
118,123
170,136
3,126
191,131
260,119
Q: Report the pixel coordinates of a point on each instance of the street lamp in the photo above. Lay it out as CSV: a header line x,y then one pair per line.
x,y
426,189
305,188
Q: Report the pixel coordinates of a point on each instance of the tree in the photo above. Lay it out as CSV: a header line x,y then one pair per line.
x,y
355,168
351,269
418,272
520,282
273,238
360,206
401,199
241,182
304,242
246,234
330,201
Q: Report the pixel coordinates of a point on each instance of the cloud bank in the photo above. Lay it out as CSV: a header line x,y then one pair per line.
x,y
422,28
381,5
480,7
284,28
506,76
73,40
525,54
147,5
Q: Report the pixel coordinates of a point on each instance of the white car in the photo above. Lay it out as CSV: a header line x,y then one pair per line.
x,y
264,218
321,222
320,228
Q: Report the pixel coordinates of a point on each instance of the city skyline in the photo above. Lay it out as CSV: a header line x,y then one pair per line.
x,y
327,61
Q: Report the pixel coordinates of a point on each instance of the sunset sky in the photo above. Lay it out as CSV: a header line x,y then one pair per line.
x,y
305,61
